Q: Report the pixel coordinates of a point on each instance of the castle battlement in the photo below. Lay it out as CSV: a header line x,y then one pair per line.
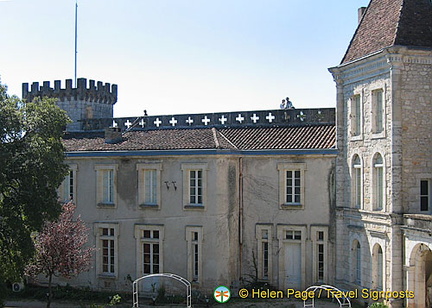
x,y
97,92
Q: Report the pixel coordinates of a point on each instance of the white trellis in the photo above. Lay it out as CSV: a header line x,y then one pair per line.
x,y
343,301
166,275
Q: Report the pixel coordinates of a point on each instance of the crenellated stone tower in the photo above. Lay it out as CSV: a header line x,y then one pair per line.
x,y
86,101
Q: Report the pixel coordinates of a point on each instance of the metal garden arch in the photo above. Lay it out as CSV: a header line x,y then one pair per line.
x,y
167,275
343,302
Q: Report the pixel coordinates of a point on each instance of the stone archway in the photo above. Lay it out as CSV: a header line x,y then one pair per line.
x,y
420,276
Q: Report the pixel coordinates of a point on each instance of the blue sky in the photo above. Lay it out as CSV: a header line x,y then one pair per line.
x,y
182,56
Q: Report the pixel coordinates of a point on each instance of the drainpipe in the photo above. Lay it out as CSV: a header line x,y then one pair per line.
x,y
240,216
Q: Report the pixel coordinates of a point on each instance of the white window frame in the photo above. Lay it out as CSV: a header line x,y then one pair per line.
x,y
143,169
260,232
357,182
100,186
194,254
98,229
64,190
141,240
316,241
283,168
378,180
426,195
356,117
186,169
378,113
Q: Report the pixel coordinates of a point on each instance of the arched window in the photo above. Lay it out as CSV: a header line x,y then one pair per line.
x,y
357,182
378,182
377,268
356,262
380,268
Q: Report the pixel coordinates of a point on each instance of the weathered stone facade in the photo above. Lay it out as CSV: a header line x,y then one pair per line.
x,y
246,228
404,76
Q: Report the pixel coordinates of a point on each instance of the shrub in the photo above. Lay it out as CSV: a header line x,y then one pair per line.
x,y
378,305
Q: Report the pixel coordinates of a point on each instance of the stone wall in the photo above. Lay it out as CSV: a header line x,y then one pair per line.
x,y
416,101
85,101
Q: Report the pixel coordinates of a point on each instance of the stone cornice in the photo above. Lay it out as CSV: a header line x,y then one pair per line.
x,y
362,69
380,63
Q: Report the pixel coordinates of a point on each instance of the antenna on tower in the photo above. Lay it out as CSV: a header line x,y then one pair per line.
x,y
76,35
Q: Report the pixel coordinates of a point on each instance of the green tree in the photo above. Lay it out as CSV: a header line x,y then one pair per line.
x,y
31,169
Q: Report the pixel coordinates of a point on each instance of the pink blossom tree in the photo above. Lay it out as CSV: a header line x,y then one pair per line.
x,y
60,248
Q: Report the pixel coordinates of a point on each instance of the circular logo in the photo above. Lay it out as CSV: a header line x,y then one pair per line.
x,y
222,294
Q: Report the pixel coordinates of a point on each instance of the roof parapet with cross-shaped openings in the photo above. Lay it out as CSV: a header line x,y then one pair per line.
x,y
279,117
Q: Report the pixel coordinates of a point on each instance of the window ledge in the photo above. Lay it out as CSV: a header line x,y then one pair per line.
x,y
107,276
147,206
292,206
106,205
199,207
379,135
356,138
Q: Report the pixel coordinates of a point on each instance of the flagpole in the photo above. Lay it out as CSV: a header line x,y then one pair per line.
x,y
76,34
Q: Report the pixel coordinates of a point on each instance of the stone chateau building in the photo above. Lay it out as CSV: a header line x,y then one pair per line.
x,y
291,197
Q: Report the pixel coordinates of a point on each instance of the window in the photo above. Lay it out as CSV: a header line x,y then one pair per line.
x,y
356,116
194,185
106,253
293,235
195,256
356,262
150,250
67,190
293,187
424,195
264,240
357,185
378,111
194,242
265,254
106,185
378,267
291,178
319,239
149,184
320,261
150,188
378,182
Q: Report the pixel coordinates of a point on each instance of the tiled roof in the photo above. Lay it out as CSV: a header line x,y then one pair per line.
x,y
288,137
247,138
167,139
392,22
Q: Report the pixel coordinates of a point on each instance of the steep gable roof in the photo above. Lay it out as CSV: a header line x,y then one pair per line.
x,y
391,22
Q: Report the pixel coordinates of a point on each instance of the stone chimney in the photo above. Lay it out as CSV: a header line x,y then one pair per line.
x,y
361,12
113,135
